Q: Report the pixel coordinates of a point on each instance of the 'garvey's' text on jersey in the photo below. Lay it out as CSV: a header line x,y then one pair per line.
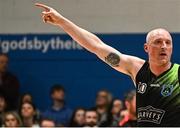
x,y
158,98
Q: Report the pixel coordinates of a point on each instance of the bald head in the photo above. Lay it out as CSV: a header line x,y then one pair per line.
x,y
158,32
159,46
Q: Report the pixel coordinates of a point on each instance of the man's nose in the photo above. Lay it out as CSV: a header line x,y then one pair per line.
x,y
164,45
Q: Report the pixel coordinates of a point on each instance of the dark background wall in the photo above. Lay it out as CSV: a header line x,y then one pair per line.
x,y
80,72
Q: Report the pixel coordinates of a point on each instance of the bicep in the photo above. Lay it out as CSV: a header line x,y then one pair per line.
x,y
126,64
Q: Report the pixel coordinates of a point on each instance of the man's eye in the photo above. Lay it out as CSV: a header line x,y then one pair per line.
x,y
168,42
158,42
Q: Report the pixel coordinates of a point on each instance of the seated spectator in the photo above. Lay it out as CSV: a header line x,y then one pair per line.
x,y
103,101
2,107
117,107
28,114
9,84
91,118
11,119
47,123
58,112
27,97
78,118
129,119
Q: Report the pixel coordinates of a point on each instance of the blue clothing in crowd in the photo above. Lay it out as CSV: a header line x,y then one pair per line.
x,y
61,117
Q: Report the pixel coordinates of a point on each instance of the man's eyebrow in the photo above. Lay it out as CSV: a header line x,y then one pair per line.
x,y
162,39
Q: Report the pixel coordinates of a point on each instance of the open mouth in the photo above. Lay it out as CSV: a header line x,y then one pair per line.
x,y
163,54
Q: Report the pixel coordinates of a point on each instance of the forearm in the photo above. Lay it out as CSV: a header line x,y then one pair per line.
x,y
81,36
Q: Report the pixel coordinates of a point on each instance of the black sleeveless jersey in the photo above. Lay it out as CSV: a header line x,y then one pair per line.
x,y
158,98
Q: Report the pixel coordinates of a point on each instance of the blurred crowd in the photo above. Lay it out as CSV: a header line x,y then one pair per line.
x,y
19,110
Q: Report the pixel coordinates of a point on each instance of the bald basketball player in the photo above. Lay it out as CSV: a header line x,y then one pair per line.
x,y
157,79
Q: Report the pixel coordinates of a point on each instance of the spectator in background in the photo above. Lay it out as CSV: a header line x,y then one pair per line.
x,y
28,114
91,118
130,119
2,107
26,97
103,101
45,122
11,120
117,107
78,118
58,112
9,84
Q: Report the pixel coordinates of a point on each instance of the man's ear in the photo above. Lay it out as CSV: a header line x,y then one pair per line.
x,y
145,47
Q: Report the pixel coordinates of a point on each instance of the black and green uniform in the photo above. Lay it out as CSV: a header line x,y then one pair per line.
x,y
158,98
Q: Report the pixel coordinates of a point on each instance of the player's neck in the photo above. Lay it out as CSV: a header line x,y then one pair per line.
x,y
159,69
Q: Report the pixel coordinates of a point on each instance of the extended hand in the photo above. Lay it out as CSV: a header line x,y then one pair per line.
x,y
50,15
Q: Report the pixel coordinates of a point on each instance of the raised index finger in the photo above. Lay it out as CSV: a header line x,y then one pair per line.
x,y
47,8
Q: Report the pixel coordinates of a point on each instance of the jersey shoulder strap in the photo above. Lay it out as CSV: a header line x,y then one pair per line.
x,y
177,67
143,70
179,74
